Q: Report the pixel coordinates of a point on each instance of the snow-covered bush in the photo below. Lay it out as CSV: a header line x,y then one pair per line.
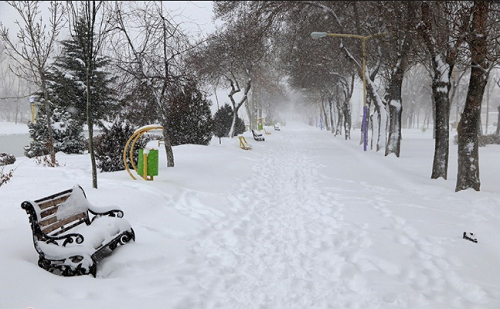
x,y
6,159
223,119
489,139
109,146
189,117
66,131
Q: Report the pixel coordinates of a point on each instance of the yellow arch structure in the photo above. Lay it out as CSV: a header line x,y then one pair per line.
x,y
137,134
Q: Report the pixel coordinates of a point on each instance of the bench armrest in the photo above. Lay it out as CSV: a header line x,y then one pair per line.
x,y
111,211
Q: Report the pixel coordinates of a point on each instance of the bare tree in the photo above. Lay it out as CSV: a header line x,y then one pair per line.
x,y
149,47
442,27
223,60
351,49
401,23
36,44
345,88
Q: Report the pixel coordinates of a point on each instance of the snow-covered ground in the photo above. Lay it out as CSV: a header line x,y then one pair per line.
x,y
302,220
9,128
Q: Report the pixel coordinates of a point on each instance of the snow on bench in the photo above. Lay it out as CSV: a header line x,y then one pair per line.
x,y
71,235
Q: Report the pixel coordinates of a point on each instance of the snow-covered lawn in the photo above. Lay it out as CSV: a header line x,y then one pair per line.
x,y
302,220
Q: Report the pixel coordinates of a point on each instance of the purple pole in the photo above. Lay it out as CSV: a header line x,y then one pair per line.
x,y
365,133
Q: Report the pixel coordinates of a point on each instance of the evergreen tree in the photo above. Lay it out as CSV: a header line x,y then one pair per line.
x,y
189,117
39,136
109,146
223,119
68,77
67,134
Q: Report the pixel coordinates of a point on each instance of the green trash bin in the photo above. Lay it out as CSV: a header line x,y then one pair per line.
x,y
152,163
259,126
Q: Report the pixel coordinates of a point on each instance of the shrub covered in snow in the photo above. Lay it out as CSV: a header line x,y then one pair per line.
x,y
6,159
109,146
189,117
66,131
223,119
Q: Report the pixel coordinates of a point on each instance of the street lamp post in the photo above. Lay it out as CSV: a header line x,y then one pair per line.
x,y
32,102
317,35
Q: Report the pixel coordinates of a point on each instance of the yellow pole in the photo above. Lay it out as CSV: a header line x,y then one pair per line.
x,y
125,155
32,112
131,153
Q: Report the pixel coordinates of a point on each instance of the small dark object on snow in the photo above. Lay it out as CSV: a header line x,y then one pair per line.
x,y
469,237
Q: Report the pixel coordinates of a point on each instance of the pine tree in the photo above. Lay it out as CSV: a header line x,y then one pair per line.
x,y
39,134
68,81
189,117
223,119
109,146
67,134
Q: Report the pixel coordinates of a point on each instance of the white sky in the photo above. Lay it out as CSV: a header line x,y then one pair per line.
x,y
197,15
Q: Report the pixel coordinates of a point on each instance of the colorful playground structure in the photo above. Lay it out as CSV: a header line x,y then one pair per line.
x,y
148,158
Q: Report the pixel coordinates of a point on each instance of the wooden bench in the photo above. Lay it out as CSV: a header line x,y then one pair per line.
x,y
71,235
243,143
258,136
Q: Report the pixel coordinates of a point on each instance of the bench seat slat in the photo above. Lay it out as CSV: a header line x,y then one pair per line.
x,y
53,202
53,224
68,228
48,212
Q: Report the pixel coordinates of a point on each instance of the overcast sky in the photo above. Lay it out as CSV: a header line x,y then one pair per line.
x,y
196,16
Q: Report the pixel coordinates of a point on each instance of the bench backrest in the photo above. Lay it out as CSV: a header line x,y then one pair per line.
x,y
62,211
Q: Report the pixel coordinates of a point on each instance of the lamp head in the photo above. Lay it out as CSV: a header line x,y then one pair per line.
x,y
317,35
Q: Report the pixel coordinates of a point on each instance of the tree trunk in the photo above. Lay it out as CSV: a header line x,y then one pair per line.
x,y
339,121
346,111
233,124
332,113
498,121
468,153
442,67
48,110
395,111
250,109
441,127
325,115
90,125
168,146
236,106
91,11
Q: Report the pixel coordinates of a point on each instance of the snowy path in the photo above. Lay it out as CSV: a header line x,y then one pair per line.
x,y
296,241
280,246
